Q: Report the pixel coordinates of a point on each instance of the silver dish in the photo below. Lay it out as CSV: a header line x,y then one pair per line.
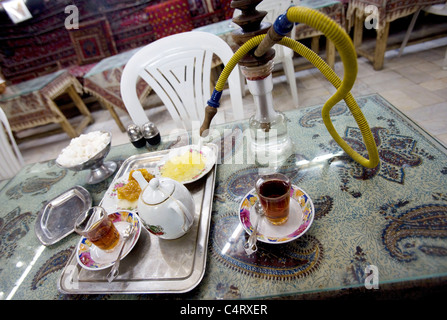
x,y
154,265
56,220
99,170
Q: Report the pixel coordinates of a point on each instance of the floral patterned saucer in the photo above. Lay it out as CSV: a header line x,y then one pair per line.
x,y
92,258
301,216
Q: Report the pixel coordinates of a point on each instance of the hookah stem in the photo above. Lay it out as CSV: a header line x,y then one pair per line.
x,y
348,56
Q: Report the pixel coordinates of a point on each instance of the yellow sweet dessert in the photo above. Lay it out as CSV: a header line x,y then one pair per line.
x,y
184,167
131,190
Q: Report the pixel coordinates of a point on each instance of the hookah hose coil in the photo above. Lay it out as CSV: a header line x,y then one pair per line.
x,y
348,56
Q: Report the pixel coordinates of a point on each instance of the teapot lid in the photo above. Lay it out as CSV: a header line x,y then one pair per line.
x,y
158,190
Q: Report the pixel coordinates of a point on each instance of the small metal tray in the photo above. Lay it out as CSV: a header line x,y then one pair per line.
x,y
57,218
154,265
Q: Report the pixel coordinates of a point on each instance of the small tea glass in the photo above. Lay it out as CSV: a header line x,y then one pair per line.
x,y
274,195
98,228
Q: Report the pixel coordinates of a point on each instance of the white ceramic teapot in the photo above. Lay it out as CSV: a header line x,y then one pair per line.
x,y
165,206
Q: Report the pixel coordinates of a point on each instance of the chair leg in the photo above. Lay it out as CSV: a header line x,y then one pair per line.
x,y
358,32
62,120
289,71
113,113
409,30
381,40
330,53
79,103
315,44
379,53
444,65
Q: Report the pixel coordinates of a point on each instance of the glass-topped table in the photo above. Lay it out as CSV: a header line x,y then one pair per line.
x,y
32,103
29,86
382,227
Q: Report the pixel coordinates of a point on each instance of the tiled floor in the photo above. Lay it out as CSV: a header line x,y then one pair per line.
x,y
415,83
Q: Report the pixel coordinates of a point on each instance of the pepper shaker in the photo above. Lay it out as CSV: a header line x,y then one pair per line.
x,y
151,133
136,136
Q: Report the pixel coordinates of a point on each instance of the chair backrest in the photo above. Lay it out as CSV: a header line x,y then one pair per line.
x,y
178,69
274,8
11,160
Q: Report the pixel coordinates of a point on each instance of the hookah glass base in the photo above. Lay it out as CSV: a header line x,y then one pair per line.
x,y
270,143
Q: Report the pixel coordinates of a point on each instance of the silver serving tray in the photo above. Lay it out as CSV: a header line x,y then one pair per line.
x,y
154,265
56,220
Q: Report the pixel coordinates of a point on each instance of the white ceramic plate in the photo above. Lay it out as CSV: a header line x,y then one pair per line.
x,y
301,216
207,152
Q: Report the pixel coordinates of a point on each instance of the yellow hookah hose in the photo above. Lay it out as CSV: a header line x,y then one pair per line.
x,y
348,56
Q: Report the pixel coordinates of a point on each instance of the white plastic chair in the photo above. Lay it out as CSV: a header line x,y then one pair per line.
x,y
11,160
283,55
178,69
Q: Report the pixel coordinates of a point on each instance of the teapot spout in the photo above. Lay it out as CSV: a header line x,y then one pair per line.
x,y
140,179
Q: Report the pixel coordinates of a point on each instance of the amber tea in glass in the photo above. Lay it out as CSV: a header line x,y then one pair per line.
x,y
274,194
96,226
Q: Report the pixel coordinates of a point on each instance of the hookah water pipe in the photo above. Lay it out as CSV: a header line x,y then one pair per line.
x,y
259,47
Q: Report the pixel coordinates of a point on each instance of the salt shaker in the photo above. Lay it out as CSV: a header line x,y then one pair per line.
x,y
151,133
136,136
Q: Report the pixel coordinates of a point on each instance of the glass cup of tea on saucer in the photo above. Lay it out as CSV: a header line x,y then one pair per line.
x,y
98,228
274,195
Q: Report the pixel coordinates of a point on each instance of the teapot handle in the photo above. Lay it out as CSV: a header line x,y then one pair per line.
x,y
181,210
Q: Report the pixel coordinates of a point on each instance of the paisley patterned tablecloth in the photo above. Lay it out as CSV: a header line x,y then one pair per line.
x,y
391,220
